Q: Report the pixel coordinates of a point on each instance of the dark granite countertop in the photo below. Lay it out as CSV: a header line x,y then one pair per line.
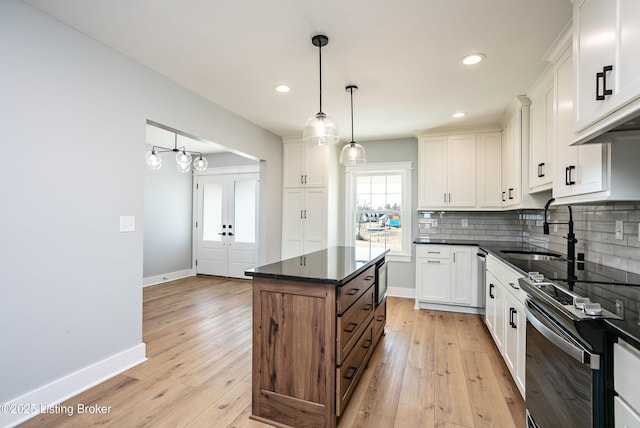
x,y
335,265
599,283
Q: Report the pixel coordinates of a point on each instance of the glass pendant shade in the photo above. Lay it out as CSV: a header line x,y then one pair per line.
x,y
153,160
183,167
183,158
353,154
200,163
320,129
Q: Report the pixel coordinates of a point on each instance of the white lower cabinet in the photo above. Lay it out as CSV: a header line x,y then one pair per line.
x,y
446,277
626,363
505,317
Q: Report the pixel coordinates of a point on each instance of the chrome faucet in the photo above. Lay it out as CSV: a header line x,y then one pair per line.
x,y
571,240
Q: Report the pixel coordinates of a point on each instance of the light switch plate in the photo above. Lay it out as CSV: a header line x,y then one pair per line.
x,y
619,230
465,222
127,223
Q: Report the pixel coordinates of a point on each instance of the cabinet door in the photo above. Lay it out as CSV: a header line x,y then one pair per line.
x,y
566,155
293,157
315,219
315,165
433,279
511,161
462,288
292,223
489,170
432,153
627,86
521,326
595,48
498,321
510,345
542,142
461,171
490,299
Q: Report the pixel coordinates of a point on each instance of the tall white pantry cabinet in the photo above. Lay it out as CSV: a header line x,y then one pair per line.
x,y
309,197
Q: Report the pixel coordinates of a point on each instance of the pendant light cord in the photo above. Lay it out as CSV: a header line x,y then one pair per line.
x,y
320,62
351,90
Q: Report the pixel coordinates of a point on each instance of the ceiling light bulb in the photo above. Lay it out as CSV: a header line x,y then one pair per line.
x,y
459,114
283,89
473,58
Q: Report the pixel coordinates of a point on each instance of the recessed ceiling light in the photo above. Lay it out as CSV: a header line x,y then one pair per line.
x,y
282,88
473,58
459,114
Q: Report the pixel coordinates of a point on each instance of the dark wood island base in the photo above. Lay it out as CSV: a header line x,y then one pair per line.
x,y
315,325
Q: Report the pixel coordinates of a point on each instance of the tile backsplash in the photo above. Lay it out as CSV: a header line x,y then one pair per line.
x,y
594,226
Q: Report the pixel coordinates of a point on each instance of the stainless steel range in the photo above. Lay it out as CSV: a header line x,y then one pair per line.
x,y
566,342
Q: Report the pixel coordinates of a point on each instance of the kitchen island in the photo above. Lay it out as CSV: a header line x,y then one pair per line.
x,y
315,325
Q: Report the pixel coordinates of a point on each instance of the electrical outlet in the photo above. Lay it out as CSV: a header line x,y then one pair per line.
x,y
620,308
465,222
127,223
555,227
619,229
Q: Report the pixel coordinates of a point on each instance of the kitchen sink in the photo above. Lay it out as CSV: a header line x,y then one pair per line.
x,y
532,255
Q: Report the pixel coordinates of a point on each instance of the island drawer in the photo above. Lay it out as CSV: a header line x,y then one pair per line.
x,y
349,373
353,322
352,290
380,315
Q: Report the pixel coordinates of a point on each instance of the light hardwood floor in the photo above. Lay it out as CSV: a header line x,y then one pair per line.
x,y
432,369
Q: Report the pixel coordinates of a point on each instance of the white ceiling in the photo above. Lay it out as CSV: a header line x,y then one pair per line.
x,y
404,55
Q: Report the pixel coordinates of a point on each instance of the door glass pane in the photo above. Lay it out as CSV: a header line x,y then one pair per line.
x,y
212,211
245,211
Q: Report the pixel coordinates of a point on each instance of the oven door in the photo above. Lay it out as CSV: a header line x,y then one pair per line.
x,y
561,374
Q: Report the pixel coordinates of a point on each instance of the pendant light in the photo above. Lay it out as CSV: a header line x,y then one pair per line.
x,y
320,129
352,153
183,158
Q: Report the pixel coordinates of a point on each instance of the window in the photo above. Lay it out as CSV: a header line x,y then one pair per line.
x,y
378,207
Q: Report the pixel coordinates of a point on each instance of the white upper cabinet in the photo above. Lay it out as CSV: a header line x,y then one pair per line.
x,y
590,172
542,141
447,172
607,64
489,171
305,165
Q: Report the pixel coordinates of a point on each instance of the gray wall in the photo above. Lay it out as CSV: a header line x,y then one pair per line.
x,y
73,116
400,274
168,214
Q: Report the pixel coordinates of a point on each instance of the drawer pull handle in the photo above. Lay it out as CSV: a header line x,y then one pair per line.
x,y
368,277
351,327
353,291
350,373
367,344
381,318
514,286
367,307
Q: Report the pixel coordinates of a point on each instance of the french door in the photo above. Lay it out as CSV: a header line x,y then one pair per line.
x,y
226,224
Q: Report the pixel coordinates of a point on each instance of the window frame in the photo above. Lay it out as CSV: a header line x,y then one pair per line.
x,y
403,169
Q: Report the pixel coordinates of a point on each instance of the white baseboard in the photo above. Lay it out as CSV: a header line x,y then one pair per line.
x,y
171,276
449,308
401,292
38,400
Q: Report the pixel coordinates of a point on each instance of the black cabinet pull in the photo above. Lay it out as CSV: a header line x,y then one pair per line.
x,y
367,344
380,318
570,168
351,327
603,75
367,307
511,193
368,277
503,199
349,374
353,291
512,312
491,291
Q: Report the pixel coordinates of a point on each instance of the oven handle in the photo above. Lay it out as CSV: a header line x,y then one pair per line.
x,y
577,353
